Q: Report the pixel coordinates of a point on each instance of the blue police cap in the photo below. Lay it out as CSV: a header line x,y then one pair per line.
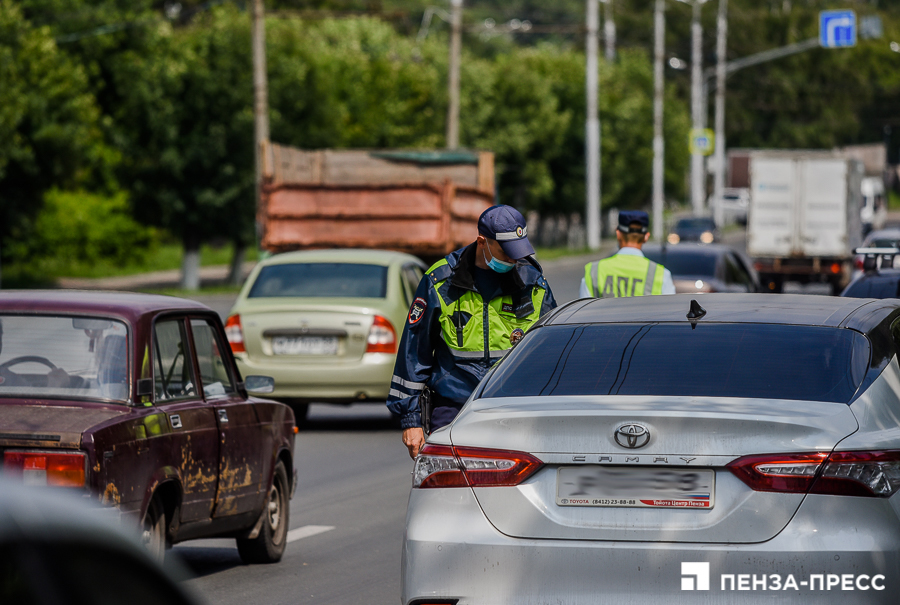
x,y
506,225
630,217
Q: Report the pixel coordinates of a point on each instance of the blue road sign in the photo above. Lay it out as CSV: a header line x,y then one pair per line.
x,y
837,29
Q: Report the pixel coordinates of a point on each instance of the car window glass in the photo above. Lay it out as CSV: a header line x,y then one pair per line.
x,y
734,272
320,280
714,360
214,376
412,275
63,356
694,263
173,376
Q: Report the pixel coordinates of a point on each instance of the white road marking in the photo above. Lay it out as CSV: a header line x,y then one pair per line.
x,y
306,531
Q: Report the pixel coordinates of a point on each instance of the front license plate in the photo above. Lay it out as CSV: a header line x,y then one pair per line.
x,y
305,345
634,486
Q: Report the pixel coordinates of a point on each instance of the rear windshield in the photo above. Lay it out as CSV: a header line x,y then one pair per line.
x,y
321,280
685,264
63,356
713,360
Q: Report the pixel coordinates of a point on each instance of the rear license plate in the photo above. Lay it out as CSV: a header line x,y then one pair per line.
x,y
634,486
305,345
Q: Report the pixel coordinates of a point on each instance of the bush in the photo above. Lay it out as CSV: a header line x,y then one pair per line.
x,y
77,228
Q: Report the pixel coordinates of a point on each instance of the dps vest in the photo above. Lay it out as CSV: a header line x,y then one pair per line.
x,y
475,329
623,275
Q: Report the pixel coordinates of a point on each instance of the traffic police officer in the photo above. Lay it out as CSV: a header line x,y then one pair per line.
x,y
628,272
469,310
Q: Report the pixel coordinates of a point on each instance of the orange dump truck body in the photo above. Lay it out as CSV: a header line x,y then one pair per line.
x,y
424,203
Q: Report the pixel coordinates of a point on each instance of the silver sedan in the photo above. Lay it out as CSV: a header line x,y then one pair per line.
x,y
654,449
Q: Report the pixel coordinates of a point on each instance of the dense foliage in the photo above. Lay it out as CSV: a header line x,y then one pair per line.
x,y
149,103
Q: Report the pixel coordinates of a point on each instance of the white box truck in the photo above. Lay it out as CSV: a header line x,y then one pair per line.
x,y
804,219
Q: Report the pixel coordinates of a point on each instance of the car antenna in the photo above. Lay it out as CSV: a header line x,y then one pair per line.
x,y
696,312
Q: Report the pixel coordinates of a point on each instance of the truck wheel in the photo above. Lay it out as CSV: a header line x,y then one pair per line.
x,y
153,530
269,545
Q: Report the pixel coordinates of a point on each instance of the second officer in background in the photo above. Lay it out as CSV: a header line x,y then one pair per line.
x,y
628,272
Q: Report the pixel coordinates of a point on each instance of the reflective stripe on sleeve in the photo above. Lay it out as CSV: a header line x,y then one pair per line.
x,y
415,386
596,284
477,354
398,394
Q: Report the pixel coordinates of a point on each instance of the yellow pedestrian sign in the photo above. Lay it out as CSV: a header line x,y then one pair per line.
x,y
702,140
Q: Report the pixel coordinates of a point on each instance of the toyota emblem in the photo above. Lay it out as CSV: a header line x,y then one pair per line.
x,y
632,436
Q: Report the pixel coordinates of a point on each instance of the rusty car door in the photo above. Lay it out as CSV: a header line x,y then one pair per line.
x,y
191,442
246,444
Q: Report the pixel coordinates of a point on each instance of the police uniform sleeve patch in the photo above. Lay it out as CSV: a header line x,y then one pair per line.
x,y
417,310
517,335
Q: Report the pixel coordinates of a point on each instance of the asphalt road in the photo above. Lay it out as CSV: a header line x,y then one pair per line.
x,y
347,521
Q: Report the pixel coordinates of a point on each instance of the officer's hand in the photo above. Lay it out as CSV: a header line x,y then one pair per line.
x,y
414,440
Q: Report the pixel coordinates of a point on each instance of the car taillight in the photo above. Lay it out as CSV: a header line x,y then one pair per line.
x,y
235,334
867,474
791,473
46,468
382,337
871,474
447,466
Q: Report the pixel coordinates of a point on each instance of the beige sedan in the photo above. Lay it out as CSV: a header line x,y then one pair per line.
x,y
325,324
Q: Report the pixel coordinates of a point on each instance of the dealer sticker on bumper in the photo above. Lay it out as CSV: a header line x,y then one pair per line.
x,y
632,486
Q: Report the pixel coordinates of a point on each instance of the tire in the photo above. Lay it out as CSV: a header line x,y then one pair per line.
x,y
269,545
153,530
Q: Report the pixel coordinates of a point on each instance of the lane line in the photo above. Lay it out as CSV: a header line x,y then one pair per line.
x,y
306,531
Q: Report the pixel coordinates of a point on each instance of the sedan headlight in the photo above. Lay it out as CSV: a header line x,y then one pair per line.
x,y
673,238
706,237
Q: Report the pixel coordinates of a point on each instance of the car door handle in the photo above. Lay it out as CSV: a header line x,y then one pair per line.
x,y
223,415
175,419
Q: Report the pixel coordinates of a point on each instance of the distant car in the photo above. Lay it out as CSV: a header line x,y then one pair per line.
x,y
735,204
700,268
135,400
880,277
881,238
324,323
694,229
53,545
873,213
650,450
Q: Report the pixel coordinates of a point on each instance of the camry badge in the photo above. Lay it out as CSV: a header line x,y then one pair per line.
x,y
632,436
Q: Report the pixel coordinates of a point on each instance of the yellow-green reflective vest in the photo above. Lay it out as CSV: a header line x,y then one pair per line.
x,y
623,275
469,327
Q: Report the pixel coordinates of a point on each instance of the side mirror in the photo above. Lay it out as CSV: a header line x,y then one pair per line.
x,y
259,384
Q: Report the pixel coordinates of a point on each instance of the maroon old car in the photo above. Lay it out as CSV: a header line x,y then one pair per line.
x,y
136,400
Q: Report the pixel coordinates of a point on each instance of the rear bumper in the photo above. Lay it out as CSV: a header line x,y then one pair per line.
x,y
451,551
367,378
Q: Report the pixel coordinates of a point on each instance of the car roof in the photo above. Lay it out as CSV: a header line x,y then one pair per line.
x,y
126,305
863,314
883,234
352,255
689,248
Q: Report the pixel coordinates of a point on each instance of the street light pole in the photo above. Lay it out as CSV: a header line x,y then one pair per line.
x,y
455,51
698,185
721,49
592,129
609,30
659,51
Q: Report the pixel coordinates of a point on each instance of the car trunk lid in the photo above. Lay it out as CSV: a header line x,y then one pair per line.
x,y
282,333
686,437
48,425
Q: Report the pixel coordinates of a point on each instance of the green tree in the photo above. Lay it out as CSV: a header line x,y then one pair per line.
x,y
186,125
50,125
